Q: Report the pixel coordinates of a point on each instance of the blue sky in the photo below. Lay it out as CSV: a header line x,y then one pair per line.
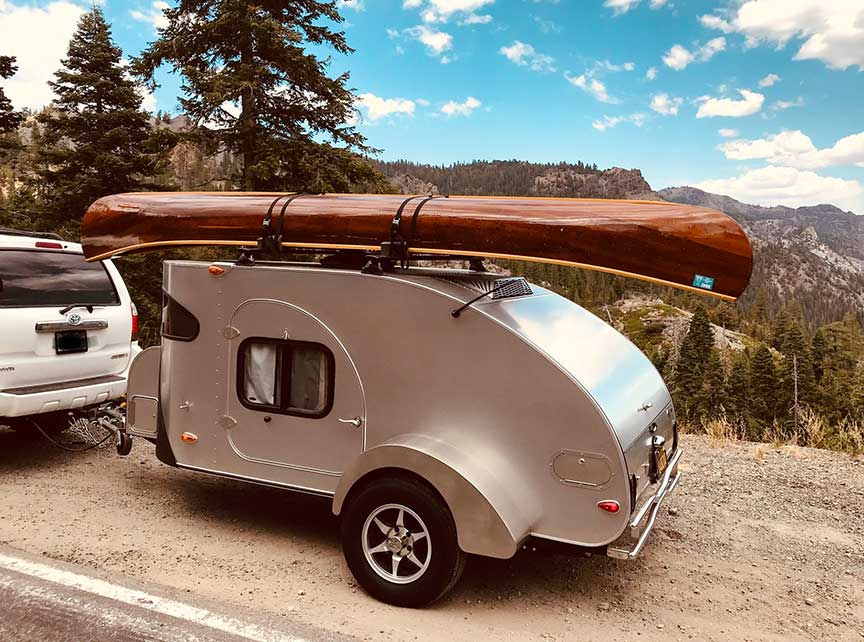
x,y
739,101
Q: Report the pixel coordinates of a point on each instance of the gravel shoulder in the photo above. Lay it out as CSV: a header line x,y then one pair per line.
x,y
756,544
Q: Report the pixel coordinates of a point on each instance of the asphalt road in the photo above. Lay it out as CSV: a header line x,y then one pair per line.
x,y
43,600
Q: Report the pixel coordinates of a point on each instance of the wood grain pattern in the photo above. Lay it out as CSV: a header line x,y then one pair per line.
x,y
656,241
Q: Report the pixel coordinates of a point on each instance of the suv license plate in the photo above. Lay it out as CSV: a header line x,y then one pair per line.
x,y
70,341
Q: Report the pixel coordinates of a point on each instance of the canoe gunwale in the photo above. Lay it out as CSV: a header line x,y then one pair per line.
x,y
155,245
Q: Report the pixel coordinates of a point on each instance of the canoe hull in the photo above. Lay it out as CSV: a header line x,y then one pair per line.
x,y
689,247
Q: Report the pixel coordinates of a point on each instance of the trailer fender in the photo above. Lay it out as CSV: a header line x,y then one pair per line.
x,y
490,519
142,394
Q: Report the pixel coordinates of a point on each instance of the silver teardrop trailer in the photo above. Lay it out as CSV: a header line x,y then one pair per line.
x,y
444,412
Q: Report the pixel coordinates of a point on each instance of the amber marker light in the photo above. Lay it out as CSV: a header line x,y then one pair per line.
x,y
189,438
215,270
610,506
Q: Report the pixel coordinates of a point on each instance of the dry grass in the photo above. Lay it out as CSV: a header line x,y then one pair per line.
x,y
722,429
813,431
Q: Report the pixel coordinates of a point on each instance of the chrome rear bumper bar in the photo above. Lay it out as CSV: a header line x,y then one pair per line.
x,y
59,326
643,520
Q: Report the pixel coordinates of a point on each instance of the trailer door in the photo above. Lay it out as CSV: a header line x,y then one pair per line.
x,y
294,392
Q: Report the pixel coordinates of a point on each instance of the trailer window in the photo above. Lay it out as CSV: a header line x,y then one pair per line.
x,y
177,322
289,377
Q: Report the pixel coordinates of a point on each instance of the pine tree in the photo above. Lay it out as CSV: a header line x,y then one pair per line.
x,y
713,396
797,364
690,368
738,389
249,75
763,387
95,133
9,118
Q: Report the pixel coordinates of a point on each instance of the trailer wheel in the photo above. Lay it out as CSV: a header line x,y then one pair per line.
x,y
399,540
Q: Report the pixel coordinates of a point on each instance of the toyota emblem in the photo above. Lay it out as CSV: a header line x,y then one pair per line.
x,y
73,319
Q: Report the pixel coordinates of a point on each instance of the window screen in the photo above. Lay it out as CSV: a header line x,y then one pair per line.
x,y
291,377
33,278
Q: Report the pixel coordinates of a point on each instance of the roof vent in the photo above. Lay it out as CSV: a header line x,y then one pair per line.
x,y
504,288
509,288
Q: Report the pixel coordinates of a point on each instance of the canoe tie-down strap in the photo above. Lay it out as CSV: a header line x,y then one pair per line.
x,y
397,247
271,240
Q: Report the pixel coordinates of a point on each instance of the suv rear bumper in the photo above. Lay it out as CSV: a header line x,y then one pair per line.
x,y
68,395
642,521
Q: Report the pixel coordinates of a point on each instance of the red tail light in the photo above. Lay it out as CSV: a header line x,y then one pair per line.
x,y
134,322
48,245
610,506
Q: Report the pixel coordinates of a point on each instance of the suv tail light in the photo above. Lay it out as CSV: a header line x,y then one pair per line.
x,y
134,322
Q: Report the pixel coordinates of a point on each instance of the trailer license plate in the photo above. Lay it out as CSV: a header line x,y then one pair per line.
x,y
662,462
70,341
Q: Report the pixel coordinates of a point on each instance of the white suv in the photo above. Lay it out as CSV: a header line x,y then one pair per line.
x,y
67,330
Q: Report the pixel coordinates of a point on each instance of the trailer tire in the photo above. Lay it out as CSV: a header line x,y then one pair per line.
x,y
416,527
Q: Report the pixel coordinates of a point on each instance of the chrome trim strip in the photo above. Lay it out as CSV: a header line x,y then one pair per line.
x,y
57,326
256,480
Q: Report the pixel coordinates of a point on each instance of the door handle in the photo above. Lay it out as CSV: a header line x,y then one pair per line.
x,y
185,405
356,422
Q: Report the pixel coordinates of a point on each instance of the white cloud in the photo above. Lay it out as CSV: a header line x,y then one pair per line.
x,y
786,104
155,16
750,103
605,65
769,80
728,133
148,100
608,122
437,42
523,54
591,86
657,4
377,107
356,5
443,10
678,56
788,186
665,104
796,149
832,31
716,22
466,108
620,6
38,37
476,19
422,102
651,74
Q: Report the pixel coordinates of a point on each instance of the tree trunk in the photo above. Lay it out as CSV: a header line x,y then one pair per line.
x,y
248,120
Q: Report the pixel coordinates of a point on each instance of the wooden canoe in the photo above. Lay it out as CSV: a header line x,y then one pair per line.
x,y
694,248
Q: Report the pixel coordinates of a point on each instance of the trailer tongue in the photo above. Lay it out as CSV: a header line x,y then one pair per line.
x,y
692,248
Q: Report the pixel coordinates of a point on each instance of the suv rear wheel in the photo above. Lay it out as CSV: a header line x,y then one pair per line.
x,y
399,540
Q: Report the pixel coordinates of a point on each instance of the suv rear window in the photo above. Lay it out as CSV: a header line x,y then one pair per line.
x,y
40,279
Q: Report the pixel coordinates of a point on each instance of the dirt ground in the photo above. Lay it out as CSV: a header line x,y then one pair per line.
x,y
756,544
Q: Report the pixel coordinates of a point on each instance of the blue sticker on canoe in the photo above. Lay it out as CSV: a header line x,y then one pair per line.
x,y
704,282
